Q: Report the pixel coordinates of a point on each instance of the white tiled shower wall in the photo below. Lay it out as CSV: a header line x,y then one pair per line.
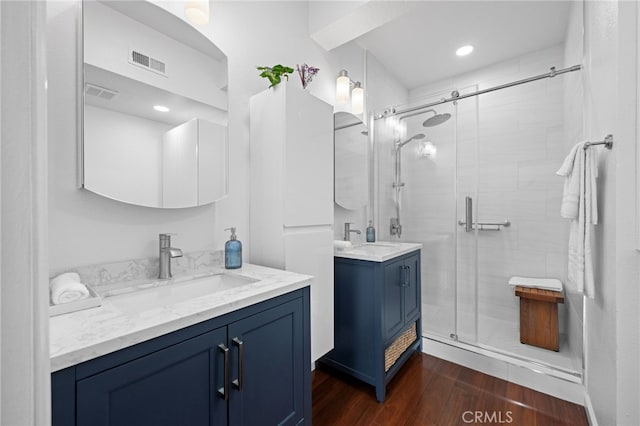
x,y
520,137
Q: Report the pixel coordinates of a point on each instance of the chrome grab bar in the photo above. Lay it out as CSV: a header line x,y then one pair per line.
x,y
468,206
496,226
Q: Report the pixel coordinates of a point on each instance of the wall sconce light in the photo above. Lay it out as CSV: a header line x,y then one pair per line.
x,y
357,99
348,90
197,12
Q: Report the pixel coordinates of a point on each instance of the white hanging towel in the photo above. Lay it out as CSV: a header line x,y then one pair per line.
x,y
580,204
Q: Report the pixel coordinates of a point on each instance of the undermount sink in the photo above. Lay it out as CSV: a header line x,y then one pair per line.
x,y
375,248
161,293
385,244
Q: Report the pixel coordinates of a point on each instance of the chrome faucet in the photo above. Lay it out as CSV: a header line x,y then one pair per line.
x,y
348,231
166,254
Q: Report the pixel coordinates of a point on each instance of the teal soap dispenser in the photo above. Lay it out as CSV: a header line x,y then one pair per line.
x,y
371,233
233,251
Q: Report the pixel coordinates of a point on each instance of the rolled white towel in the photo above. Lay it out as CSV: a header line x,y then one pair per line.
x,y
343,245
67,288
541,283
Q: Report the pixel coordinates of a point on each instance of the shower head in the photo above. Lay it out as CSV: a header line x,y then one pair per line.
x,y
437,119
414,137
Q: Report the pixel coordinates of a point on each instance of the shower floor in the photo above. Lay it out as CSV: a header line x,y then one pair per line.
x,y
498,335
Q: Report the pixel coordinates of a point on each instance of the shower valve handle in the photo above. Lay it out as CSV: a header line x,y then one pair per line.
x,y
468,205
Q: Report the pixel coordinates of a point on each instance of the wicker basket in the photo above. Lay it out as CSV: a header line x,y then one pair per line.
x,y
397,348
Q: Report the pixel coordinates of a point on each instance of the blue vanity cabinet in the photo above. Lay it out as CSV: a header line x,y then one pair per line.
x,y
393,300
248,367
377,305
412,308
172,386
266,365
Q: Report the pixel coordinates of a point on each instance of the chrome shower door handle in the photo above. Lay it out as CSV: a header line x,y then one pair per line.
x,y
468,214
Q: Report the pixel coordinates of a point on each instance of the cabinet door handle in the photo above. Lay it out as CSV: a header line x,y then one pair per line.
x,y
408,276
240,345
224,390
403,275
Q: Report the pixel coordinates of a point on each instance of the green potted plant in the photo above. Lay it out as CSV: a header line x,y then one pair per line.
x,y
275,73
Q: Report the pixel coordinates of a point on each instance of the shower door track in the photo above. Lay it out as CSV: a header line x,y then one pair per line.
x,y
539,367
456,96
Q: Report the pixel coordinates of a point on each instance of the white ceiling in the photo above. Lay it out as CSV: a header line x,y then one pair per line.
x,y
419,47
137,98
156,17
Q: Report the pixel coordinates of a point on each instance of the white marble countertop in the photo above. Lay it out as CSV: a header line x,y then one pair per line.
x,y
127,319
379,251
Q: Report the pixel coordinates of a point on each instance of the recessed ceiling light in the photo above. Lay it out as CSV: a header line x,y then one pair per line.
x,y
464,50
161,108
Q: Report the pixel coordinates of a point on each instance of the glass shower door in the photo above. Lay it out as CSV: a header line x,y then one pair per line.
x,y
430,207
479,191
426,202
466,169
510,144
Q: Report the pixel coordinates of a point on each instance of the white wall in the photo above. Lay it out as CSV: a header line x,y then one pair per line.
x,y
627,243
612,318
86,228
24,337
323,13
600,111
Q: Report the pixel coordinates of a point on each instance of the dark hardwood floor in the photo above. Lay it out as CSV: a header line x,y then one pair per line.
x,y
432,391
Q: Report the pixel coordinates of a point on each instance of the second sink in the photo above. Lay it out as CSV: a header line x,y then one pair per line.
x,y
378,251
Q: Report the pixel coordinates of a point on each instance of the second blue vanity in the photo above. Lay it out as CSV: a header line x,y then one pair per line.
x,y
377,311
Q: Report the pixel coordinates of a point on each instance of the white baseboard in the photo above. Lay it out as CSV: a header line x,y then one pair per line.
x,y
591,414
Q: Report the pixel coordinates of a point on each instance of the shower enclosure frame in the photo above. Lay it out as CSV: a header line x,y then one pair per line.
x,y
478,348
456,96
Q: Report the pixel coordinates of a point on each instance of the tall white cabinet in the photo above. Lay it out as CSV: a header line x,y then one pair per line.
x,y
292,195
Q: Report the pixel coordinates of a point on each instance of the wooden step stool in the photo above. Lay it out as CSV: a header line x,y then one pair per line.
x,y
539,317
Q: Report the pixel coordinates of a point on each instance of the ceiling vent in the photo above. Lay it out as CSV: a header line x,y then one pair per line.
x,y
147,62
100,92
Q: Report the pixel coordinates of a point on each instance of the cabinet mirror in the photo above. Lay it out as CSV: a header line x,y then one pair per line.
x,y
351,139
154,107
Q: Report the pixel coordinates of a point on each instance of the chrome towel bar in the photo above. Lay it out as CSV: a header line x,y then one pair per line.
x,y
607,142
